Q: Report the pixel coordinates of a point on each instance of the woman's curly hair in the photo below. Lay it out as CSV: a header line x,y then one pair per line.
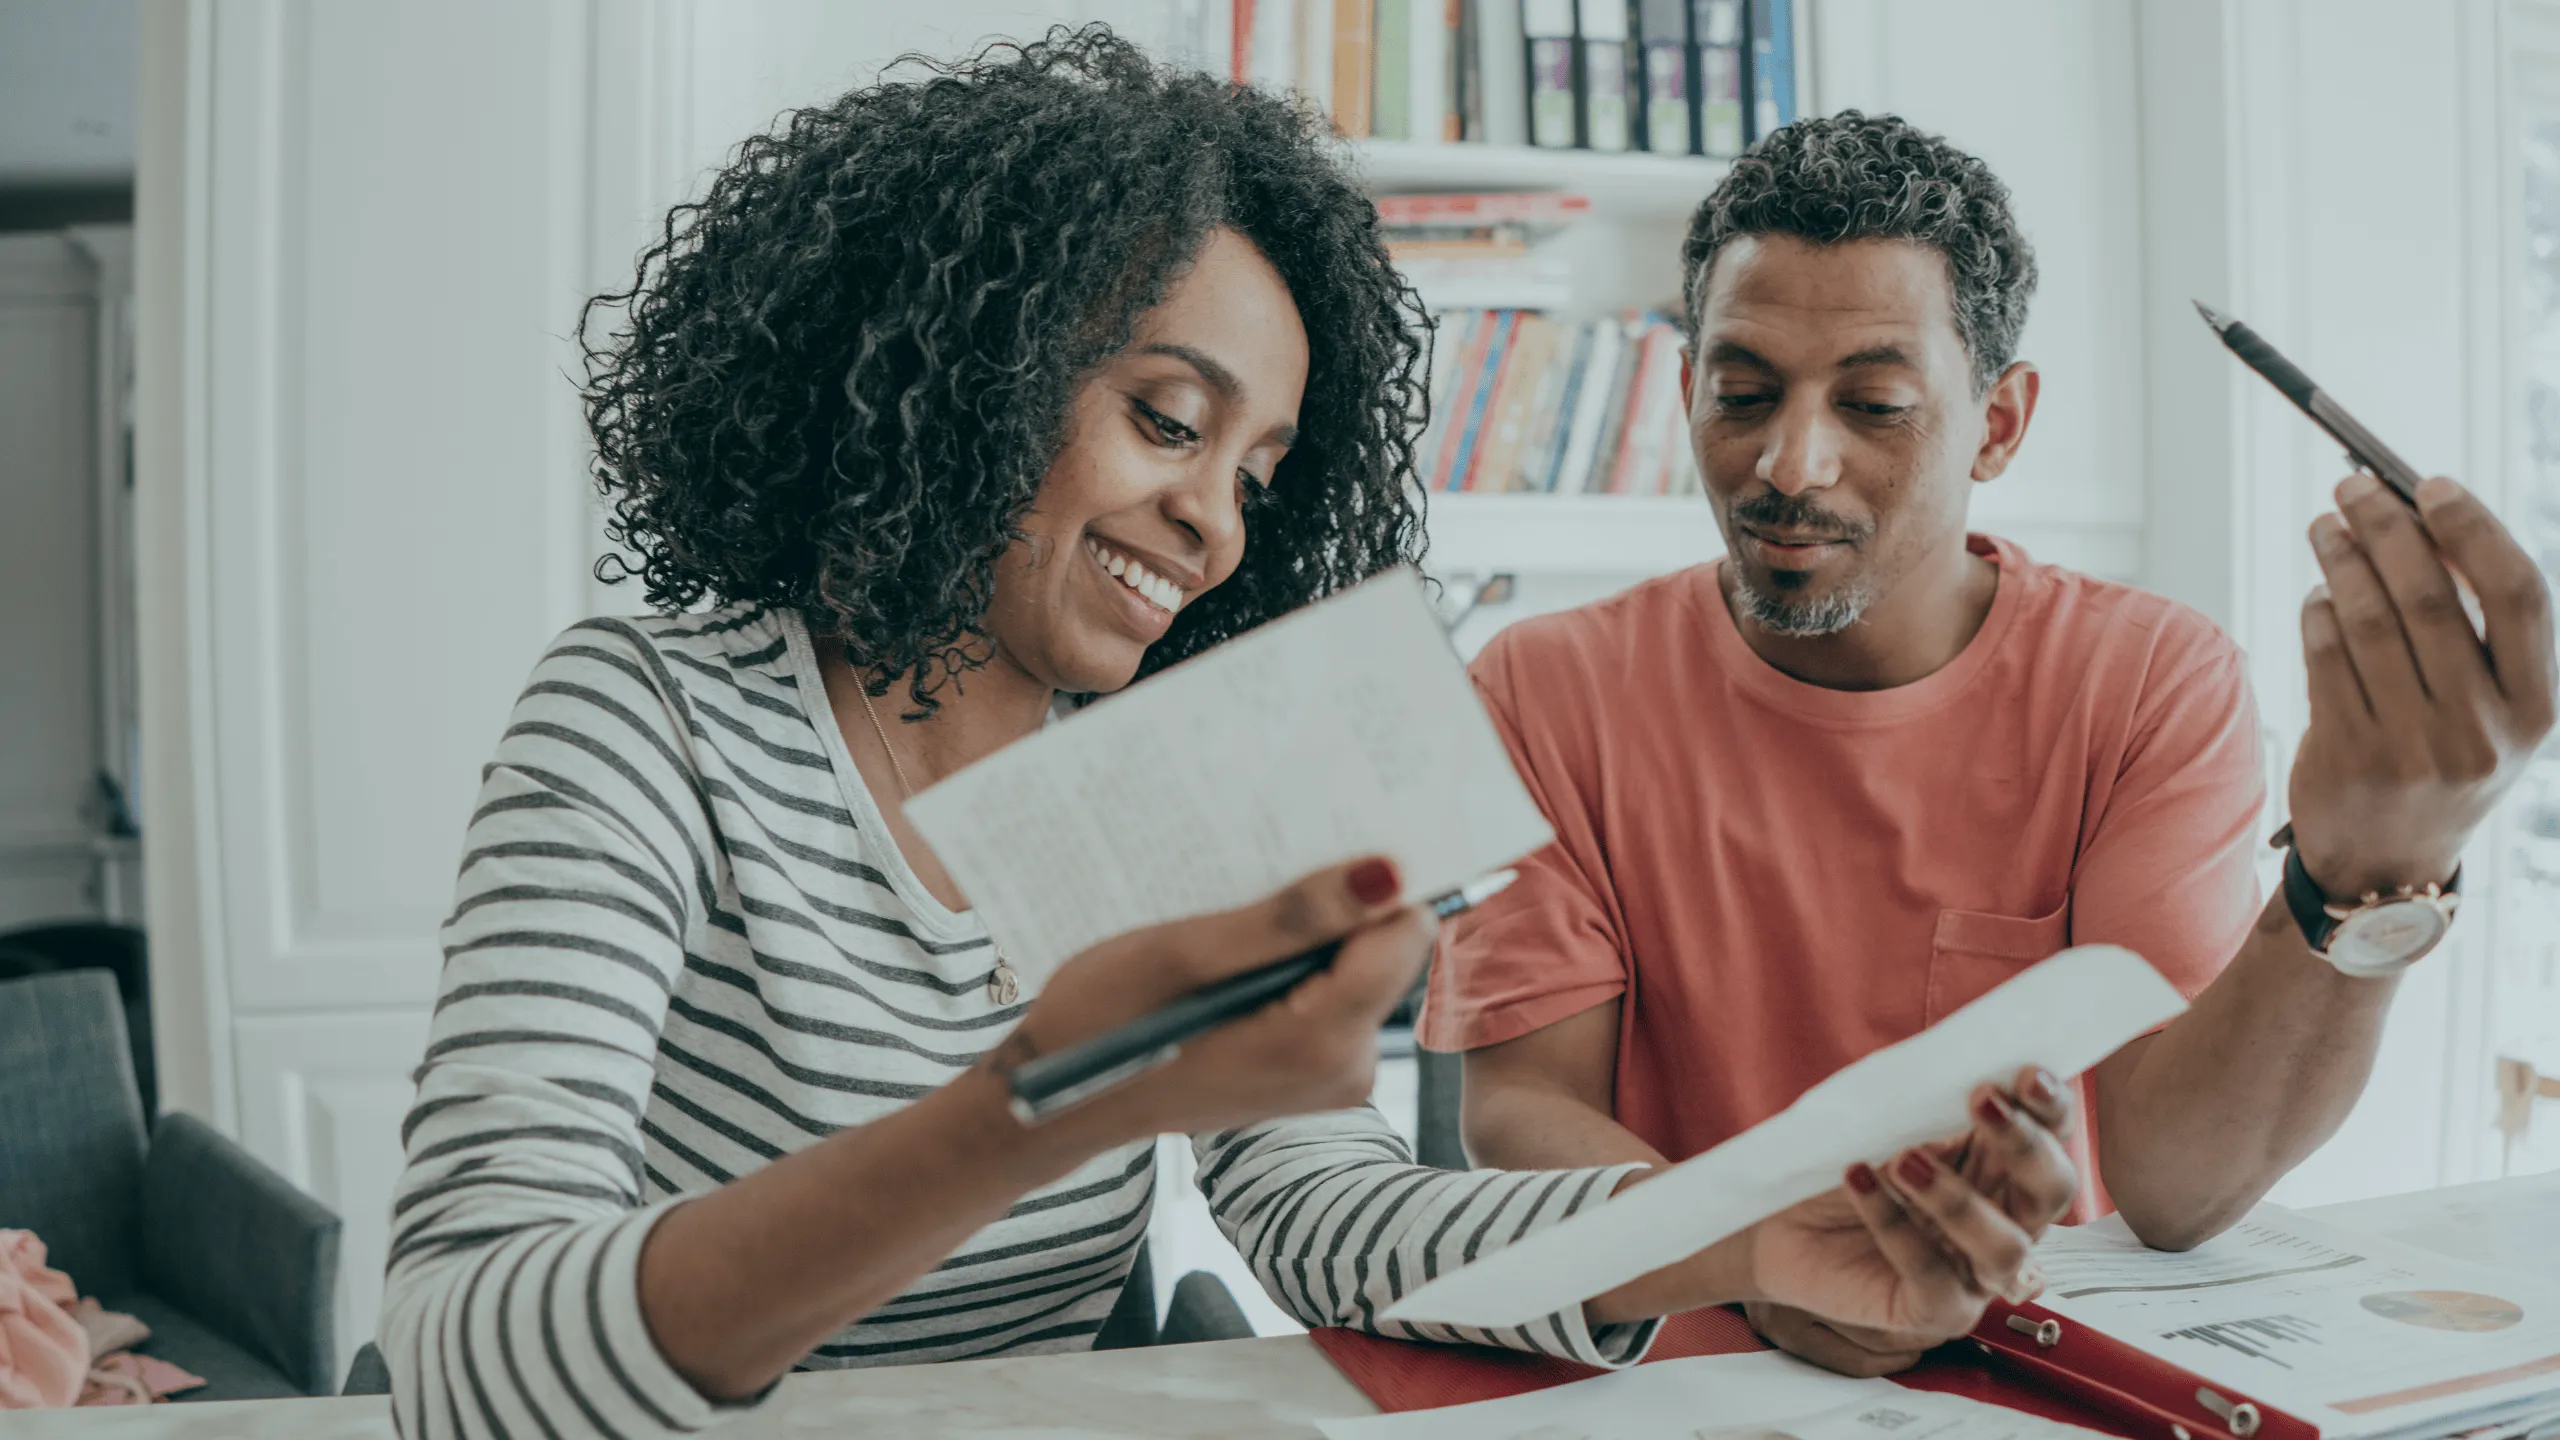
x,y
839,377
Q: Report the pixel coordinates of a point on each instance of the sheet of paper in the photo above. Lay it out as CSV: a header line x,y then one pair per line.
x,y
2500,1223
1668,1398
2356,1333
1920,1415
2065,1014
1346,729
1764,1396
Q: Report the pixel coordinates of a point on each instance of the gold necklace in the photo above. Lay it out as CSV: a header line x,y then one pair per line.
x,y
1003,986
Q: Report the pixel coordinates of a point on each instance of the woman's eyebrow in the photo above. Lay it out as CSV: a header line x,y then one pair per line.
x,y
1220,379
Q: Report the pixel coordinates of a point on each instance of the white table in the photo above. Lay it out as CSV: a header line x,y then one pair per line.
x,y
1274,1389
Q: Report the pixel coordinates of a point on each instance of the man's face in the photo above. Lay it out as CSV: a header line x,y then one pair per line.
x,y
1832,406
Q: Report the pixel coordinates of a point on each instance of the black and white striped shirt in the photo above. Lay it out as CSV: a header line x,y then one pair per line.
x,y
683,945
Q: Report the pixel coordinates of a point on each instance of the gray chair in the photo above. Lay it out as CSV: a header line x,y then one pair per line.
x,y
232,1268
1202,1310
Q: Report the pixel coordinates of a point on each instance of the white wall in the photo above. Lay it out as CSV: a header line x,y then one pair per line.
x,y
67,91
2045,94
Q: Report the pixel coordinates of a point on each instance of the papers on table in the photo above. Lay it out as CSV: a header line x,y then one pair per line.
x,y
2065,1014
1715,1397
1346,729
2357,1334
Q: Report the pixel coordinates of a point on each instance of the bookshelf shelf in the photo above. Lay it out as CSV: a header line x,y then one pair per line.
x,y
1632,186
1571,534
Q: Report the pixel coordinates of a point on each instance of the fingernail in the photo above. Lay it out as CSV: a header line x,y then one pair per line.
x,y
2358,486
2027,1286
1991,1111
2437,490
1374,882
2044,1085
2327,535
1916,1170
1862,1178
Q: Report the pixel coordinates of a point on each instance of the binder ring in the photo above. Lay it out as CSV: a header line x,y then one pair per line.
x,y
2242,1418
2046,1333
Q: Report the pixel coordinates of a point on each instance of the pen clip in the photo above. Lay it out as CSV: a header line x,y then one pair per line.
x,y
1032,1112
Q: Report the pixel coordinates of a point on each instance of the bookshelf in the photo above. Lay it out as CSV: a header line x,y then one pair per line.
x,y
1624,255
1631,186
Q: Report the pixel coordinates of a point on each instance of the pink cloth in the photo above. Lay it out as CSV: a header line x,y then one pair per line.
x,y
44,1354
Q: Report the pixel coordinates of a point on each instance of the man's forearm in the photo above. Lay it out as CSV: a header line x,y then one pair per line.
x,y
2195,1123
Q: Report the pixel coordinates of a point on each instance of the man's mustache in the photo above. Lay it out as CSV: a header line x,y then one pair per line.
x,y
1776,510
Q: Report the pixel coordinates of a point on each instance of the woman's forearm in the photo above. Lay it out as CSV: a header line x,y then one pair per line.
x,y
738,1284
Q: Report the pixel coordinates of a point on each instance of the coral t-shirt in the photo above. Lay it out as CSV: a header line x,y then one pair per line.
x,y
1779,878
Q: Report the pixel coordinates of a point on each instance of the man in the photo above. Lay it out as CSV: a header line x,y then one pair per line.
x,y
1813,798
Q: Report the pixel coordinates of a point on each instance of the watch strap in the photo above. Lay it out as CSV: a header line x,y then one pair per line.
x,y
2309,904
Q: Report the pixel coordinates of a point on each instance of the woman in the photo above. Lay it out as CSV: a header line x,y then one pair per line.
x,y
957,398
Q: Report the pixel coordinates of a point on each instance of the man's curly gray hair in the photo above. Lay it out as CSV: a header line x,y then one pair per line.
x,y
1849,176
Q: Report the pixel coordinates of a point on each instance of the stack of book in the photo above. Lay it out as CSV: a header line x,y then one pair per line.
x,y
1482,252
1523,402
1676,77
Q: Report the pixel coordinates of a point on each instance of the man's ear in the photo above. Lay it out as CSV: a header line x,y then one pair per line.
x,y
1688,384
2006,412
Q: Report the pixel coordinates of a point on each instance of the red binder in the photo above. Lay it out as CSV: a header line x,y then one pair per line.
x,y
2023,1357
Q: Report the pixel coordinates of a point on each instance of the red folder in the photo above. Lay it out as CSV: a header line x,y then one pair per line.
x,y
2041,1365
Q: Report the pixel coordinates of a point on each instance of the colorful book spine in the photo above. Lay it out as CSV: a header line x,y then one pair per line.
x,y
1669,104
1552,407
1602,26
1391,89
1579,451
1718,25
1468,437
1546,28
1427,62
1353,69
1466,70
1457,344
1773,65
1494,207
1524,372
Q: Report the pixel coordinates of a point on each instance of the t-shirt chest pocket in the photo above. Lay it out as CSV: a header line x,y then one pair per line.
x,y
1974,952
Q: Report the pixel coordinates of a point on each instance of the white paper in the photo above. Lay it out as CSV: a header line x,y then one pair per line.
x,y
1666,1398
1346,729
2065,1014
2356,1333
1762,1396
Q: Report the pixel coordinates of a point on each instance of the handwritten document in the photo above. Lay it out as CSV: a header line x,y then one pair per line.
x,y
2065,1014
2358,1334
1764,1396
1346,729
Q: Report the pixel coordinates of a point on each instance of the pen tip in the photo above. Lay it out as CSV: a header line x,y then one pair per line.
x,y
2211,316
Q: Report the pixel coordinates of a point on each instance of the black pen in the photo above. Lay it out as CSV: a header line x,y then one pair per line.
x,y
1050,1083
2364,451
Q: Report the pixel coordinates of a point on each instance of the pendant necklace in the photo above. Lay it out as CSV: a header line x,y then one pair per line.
x,y
1003,986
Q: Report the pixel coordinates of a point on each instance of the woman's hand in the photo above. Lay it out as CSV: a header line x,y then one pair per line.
x,y
1315,1048
1866,1282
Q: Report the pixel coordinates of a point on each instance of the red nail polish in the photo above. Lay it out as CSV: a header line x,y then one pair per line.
x,y
1991,1111
1916,1171
1862,1179
1374,882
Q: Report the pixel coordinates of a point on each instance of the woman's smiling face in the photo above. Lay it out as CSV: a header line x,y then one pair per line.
x,y
1144,507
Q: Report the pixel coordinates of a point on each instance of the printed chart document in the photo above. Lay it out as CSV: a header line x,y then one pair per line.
x,y
2065,1014
2357,1334
1345,729
1714,1397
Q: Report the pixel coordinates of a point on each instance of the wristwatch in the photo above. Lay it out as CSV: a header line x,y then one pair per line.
x,y
2380,934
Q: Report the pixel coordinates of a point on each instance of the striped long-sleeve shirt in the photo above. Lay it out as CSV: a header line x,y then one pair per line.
x,y
684,945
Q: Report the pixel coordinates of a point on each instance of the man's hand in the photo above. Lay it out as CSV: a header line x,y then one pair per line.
x,y
2418,723
2014,1158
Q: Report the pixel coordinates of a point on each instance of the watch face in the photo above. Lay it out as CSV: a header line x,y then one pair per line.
x,y
2386,938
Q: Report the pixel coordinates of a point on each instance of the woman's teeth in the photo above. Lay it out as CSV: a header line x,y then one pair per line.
x,y
1155,589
